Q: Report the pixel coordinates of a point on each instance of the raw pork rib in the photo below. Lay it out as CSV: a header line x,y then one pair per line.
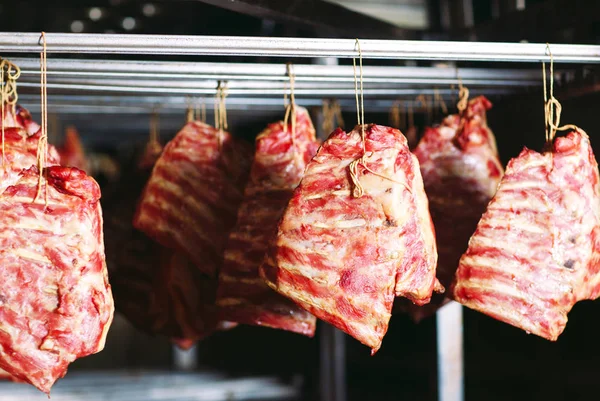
x,y
461,171
156,288
132,257
56,303
190,202
278,166
536,251
344,258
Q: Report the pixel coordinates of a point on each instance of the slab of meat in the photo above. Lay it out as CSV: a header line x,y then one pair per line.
x,y
20,152
536,251
278,166
5,376
56,303
345,258
133,259
156,288
183,302
190,202
19,117
71,152
461,170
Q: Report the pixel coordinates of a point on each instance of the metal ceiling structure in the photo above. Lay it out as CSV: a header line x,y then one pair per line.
x,y
131,86
266,81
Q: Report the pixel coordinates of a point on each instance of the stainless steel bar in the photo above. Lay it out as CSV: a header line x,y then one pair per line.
x,y
339,365
331,92
77,77
185,360
410,83
78,104
180,102
295,47
332,368
450,358
247,71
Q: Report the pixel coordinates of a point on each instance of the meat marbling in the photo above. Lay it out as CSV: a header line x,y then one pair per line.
x,y
536,250
190,202
278,166
345,258
156,288
461,170
56,303
19,117
20,152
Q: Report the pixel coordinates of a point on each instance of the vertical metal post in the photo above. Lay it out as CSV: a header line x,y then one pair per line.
x,y
467,13
445,17
185,359
507,6
332,364
450,360
495,9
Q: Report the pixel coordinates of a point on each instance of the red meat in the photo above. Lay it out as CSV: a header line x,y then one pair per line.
x,y
4,375
536,250
182,304
461,171
190,202
278,166
55,302
344,258
72,153
156,288
19,117
20,152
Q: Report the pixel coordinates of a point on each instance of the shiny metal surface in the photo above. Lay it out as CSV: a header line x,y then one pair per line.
x,y
22,42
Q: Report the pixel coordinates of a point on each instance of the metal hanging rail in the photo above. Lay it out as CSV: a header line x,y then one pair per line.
x,y
265,80
132,104
209,89
277,72
295,47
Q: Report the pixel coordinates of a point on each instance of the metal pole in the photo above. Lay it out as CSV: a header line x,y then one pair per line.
x,y
450,353
211,84
132,104
266,71
185,360
296,47
315,91
332,369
